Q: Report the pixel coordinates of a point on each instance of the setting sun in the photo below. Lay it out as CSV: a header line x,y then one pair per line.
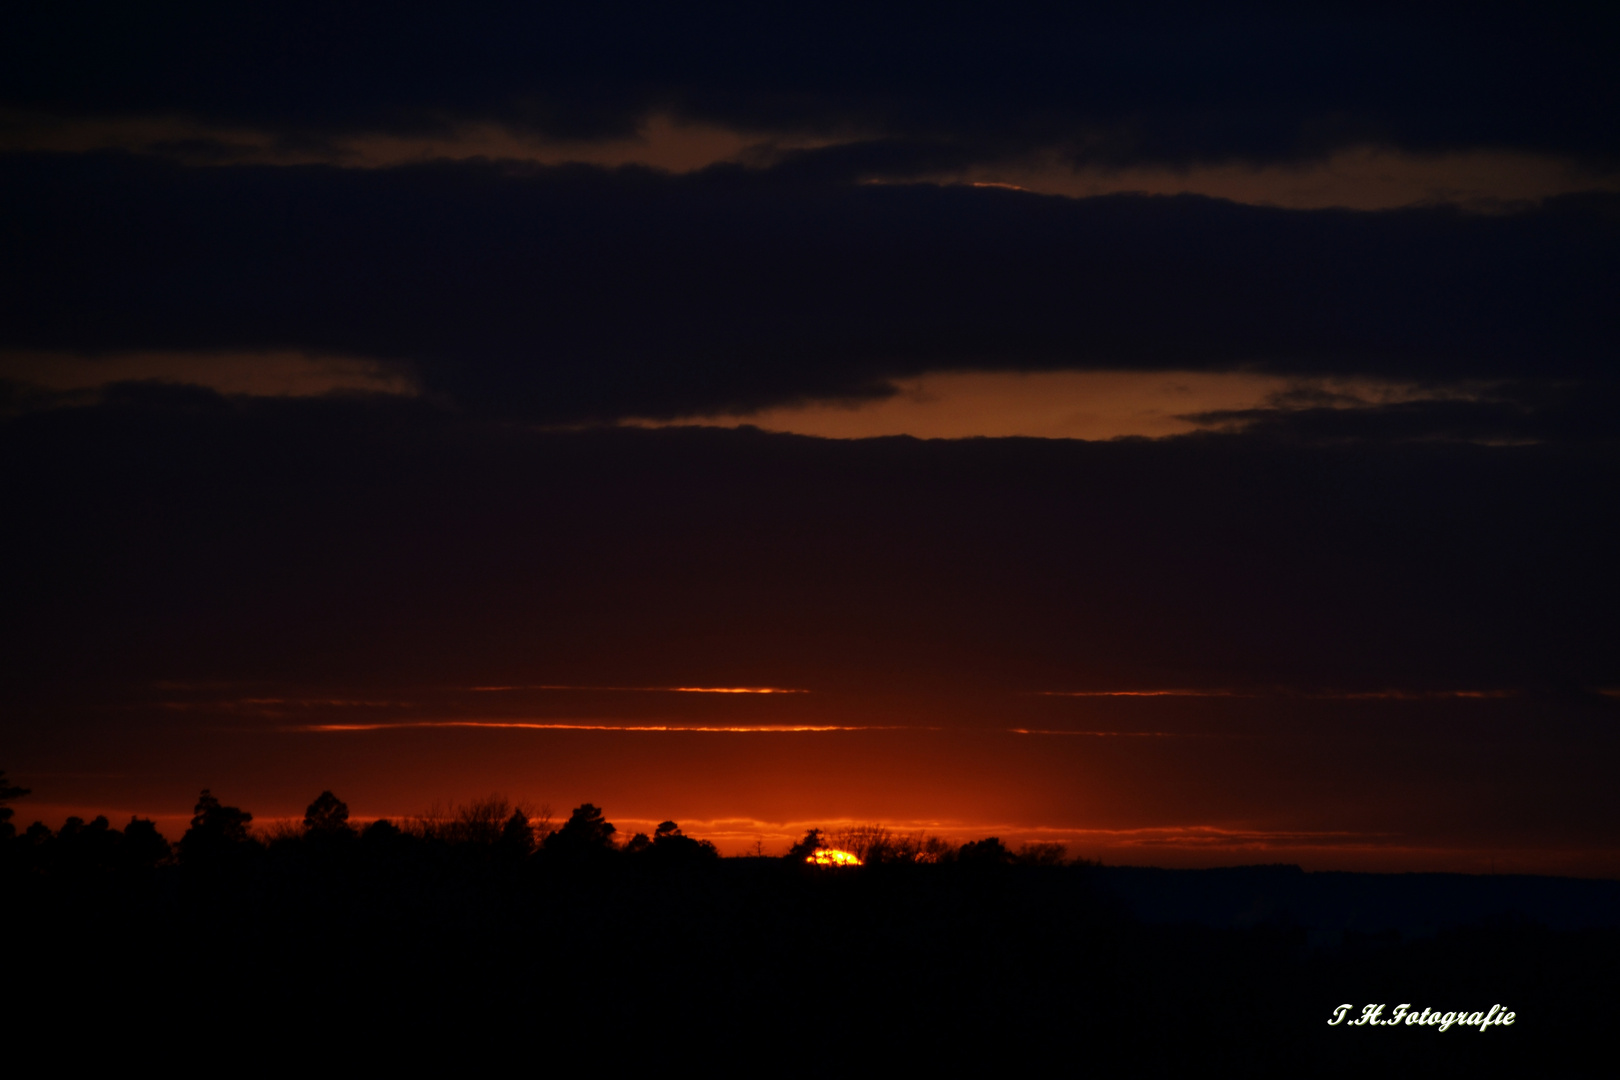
x,y
832,857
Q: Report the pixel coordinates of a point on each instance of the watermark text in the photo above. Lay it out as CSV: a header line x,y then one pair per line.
x,y
1404,1014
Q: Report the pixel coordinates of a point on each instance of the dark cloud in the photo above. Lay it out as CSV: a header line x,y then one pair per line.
x,y
1503,414
891,159
1169,83
173,534
576,292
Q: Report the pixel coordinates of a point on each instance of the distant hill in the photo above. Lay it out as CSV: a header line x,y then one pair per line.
x,y
1330,904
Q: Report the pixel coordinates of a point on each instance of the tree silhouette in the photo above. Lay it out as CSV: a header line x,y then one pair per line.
x,y
327,816
144,847
482,821
987,852
383,842
805,848
7,793
669,844
1042,854
85,848
216,831
584,832
517,835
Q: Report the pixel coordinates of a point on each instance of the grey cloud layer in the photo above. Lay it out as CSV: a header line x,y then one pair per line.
x,y
576,293
1167,83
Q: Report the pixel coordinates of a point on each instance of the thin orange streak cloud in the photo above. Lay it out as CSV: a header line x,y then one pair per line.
x,y
332,702
537,726
1390,695
1423,695
533,725
1216,834
1098,734
1140,693
653,689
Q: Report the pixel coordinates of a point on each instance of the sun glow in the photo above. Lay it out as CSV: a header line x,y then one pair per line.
x,y
832,857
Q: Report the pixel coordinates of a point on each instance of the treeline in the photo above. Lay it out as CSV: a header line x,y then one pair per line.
x,y
496,827
485,930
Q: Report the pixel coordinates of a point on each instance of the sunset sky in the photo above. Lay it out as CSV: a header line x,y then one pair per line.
x,y
1187,434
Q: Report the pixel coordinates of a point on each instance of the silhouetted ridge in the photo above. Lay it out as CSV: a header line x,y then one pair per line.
x,y
500,922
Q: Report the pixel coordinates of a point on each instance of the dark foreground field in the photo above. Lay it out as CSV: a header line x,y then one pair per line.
x,y
387,947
